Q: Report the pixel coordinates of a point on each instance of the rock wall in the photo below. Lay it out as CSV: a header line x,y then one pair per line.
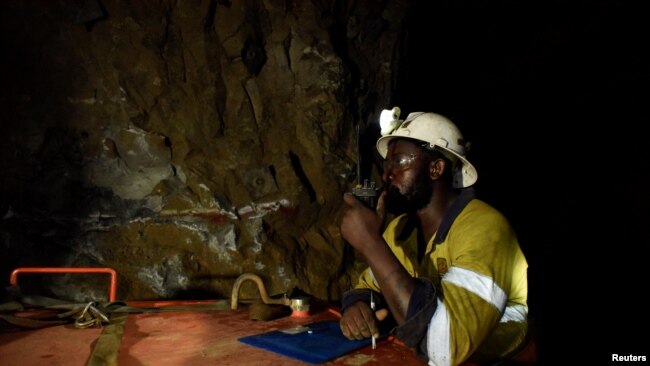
x,y
185,143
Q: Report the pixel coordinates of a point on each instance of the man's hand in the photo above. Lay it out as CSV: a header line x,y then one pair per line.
x,y
361,225
359,321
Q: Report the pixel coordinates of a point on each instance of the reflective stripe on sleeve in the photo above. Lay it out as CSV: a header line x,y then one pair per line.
x,y
515,313
479,284
372,275
438,343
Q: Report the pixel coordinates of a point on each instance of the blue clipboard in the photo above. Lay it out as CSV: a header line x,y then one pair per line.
x,y
313,343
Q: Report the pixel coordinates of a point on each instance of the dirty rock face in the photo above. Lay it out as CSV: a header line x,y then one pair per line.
x,y
184,144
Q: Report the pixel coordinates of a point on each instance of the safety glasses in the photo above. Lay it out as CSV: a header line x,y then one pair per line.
x,y
399,162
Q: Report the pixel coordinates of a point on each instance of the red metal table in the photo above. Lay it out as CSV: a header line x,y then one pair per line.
x,y
186,337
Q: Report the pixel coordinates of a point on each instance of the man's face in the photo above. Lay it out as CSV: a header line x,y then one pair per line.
x,y
407,177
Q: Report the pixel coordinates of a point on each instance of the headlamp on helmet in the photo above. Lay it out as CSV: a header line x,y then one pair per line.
x,y
389,120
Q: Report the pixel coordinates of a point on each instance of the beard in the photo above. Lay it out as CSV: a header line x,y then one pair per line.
x,y
416,197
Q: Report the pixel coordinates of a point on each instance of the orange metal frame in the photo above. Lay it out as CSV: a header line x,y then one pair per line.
x,y
13,280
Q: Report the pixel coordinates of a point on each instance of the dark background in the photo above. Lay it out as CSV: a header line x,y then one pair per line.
x,y
554,98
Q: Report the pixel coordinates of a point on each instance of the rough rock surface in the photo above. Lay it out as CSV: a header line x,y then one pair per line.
x,y
186,143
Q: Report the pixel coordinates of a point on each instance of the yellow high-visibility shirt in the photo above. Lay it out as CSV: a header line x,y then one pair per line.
x,y
481,276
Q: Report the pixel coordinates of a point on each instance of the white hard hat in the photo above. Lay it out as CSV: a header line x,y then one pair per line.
x,y
441,134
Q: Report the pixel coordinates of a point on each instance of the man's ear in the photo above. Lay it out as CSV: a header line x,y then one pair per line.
x,y
437,168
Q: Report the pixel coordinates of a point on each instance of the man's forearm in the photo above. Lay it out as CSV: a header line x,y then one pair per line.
x,y
396,283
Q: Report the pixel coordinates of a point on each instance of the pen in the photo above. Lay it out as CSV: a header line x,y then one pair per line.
x,y
372,307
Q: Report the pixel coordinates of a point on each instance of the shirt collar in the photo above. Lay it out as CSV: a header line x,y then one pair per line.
x,y
466,195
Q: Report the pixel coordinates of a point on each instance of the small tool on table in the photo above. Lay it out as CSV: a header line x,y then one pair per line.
x,y
372,307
